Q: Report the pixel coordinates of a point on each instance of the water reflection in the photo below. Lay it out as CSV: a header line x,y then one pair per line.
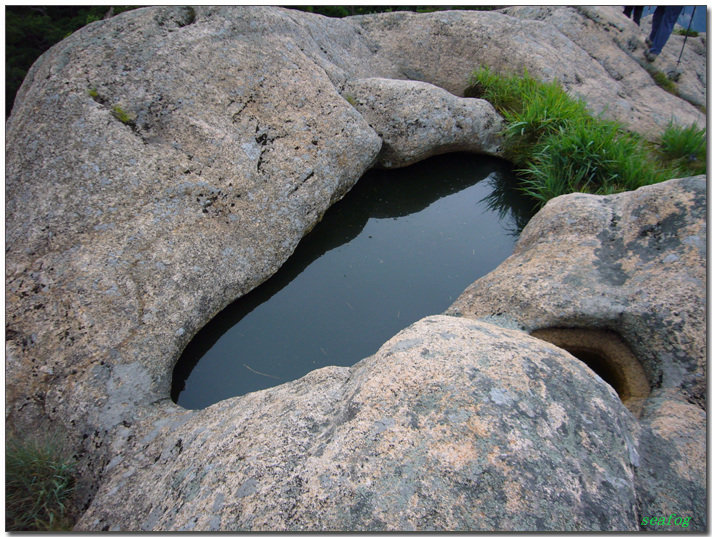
x,y
507,201
401,245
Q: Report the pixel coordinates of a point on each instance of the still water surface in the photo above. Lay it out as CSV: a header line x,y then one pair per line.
x,y
402,244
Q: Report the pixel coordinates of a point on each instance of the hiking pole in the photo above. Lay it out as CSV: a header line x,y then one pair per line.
x,y
674,74
686,34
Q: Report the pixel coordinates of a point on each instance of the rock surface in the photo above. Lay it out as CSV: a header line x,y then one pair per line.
x,y
615,44
416,120
633,264
691,73
594,52
453,425
166,161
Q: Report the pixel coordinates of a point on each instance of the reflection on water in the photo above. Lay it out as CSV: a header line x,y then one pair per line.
x,y
403,244
507,201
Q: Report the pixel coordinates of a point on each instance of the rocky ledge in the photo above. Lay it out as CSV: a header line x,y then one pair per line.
x,y
470,421
166,161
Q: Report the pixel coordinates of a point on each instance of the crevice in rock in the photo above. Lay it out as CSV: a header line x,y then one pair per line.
x,y
605,352
176,17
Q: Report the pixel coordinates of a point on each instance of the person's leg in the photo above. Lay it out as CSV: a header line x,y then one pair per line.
x,y
657,19
667,23
637,13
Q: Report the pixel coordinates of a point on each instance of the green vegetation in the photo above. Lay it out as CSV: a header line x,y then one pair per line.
x,y
559,147
39,484
94,94
123,116
532,109
661,79
685,31
350,99
592,156
667,81
684,149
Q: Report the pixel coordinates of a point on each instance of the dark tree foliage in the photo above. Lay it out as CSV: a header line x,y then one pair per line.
x,y
31,30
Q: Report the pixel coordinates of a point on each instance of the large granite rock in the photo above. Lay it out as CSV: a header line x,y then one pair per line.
x,y
124,240
164,162
417,120
633,263
453,425
631,268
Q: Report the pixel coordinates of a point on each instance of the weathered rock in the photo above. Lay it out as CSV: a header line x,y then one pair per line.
x,y
453,425
616,44
633,265
161,163
416,120
690,74
137,235
585,49
672,446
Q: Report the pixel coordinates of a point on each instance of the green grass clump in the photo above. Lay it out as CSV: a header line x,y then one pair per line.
x,y
596,157
532,109
350,99
661,79
94,94
506,93
684,148
685,31
558,147
39,484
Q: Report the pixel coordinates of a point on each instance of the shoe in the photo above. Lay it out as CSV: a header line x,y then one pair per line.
x,y
650,56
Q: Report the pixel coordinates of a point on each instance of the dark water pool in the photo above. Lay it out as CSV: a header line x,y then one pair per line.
x,y
403,244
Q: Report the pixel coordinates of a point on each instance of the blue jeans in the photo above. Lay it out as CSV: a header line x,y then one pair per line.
x,y
636,11
664,20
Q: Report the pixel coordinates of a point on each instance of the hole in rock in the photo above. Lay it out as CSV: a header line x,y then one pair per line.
x,y
402,244
608,356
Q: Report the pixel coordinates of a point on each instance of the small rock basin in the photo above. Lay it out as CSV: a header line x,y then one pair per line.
x,y
402,244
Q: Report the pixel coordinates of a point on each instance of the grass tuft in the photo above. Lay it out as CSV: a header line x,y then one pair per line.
x,y
558,147
350,99
662,80
685,31
39,484
94,94
684,148
596,157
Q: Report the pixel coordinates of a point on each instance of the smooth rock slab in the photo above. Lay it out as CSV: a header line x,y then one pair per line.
x,y
416,120
454,424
